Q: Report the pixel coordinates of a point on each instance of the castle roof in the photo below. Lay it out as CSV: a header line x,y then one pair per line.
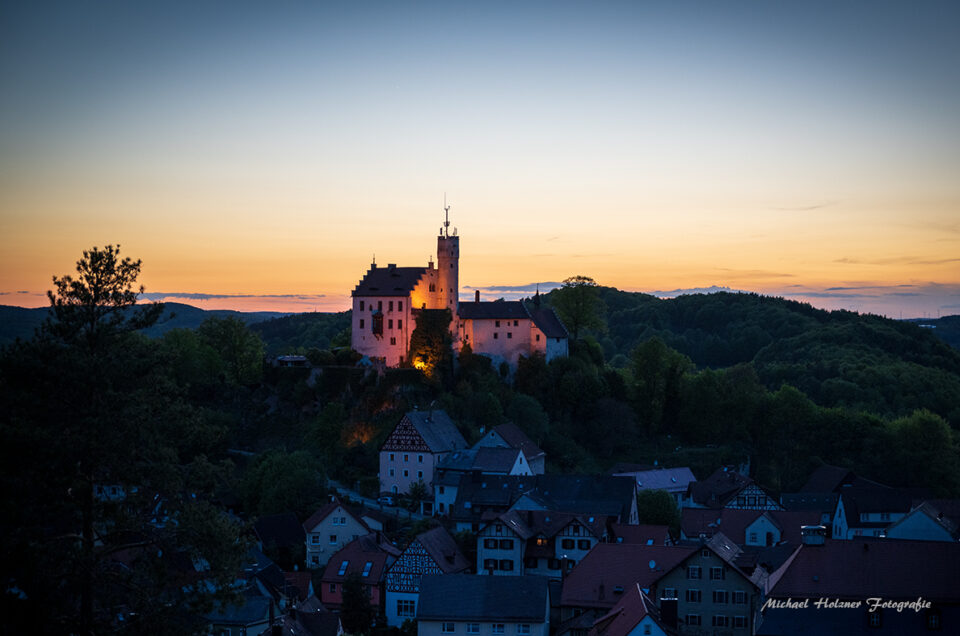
x,y
389,281
498,309
547,321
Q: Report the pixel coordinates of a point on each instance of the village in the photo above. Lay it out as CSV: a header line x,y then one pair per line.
x,y
479,540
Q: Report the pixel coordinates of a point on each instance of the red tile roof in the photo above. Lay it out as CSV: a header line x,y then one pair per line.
x,y
593,582
357,554
632,608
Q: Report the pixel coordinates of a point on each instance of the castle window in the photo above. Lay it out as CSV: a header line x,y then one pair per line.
x,y
399,324
495,335
433,287
380,305
390,306
361,323
497,323
390,324
538,337
509,335
377,324
399,305
361,305
393,341
516,323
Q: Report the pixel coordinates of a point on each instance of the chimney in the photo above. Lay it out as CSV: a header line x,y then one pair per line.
x,y
813,535
477,296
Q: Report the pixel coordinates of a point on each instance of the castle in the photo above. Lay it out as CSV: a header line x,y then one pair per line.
x,y
388,299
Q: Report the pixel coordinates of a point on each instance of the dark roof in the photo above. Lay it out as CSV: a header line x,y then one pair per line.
x,y
389,281
874,498
477,492
889,569
734,523
608,566
547,523
820,501
280,530
828,479
467,596
323,512
253,609
311,618
297,584
548,322
443,550
512,435
632,608
669,479
719,488
586,494
498,309
642,534
357,554
485,459
437,430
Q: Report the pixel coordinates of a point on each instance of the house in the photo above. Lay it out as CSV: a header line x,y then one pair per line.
x,y
415,447
509,435
432,552
824,503
712,593
467,605
367,557
541,542
675,481
840,579
746,527
505,330
311,618
726,488
473,499
328,530
867,510
633,615
599,581
643,534
927,522
388,300
486,460
250,616
593,495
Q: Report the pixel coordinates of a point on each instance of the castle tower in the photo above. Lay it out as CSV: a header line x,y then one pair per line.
x,y
448,267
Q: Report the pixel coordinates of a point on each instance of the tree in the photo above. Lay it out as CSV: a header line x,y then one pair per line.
x,y
240,349
658,507
105,481
578,304
431,346
356,612
417,492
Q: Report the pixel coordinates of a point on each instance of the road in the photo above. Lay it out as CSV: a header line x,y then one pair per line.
x,y
394,511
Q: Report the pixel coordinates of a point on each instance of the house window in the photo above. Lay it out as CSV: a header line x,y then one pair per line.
x,y
739,597
433,287
553,564
419,459
509,335
361,309
448,628
694,596
497,628
669,592
490,564
567,544
523,628
406,457
741,501
315,539
506,564
576,531
753,537
506,544
441,490
393,340
391,472
406,607
740,621
705,553
583,544
884,516
406,473
333,539
392,457
693,619
752,500
361,323
419,474
717,574
333,588
933,620
541,541
875,619
473,628
721,621
315,560
498,529
496,335
399,324
380,305
343,568
497,323
720,596
693,572
366,568
530,563
646,630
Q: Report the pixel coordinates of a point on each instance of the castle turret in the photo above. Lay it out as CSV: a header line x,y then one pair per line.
x,y
448,267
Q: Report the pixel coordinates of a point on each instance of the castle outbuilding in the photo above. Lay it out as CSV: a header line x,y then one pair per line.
x,y
388,299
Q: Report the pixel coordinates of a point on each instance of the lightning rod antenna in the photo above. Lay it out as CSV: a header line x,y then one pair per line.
x,y
446,220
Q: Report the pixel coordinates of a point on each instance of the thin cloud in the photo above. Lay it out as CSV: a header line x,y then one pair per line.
x,y
805,208
202,296
528,288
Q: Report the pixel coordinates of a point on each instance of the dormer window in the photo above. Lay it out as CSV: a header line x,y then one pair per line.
x,y
343,568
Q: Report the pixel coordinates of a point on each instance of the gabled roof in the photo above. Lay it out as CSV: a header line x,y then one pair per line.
x,y
498,309
927,509
253,609
547,523
858,500
437,430
611,566
515,438
358,554
632,608
734,523
828,479
283,529
888,569
321,514
443,550
661,478
596,495
548,322
470,597
819,501
485,459
719,488
389,281
645,534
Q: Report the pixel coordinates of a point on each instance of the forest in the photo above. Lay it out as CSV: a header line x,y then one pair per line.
x,y
194,421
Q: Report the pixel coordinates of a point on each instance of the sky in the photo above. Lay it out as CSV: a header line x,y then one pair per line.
x,y
258,156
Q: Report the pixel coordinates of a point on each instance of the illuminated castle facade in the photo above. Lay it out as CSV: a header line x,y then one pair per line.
x,y
387,300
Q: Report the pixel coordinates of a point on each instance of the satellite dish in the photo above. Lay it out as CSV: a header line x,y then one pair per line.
x,y
652,564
